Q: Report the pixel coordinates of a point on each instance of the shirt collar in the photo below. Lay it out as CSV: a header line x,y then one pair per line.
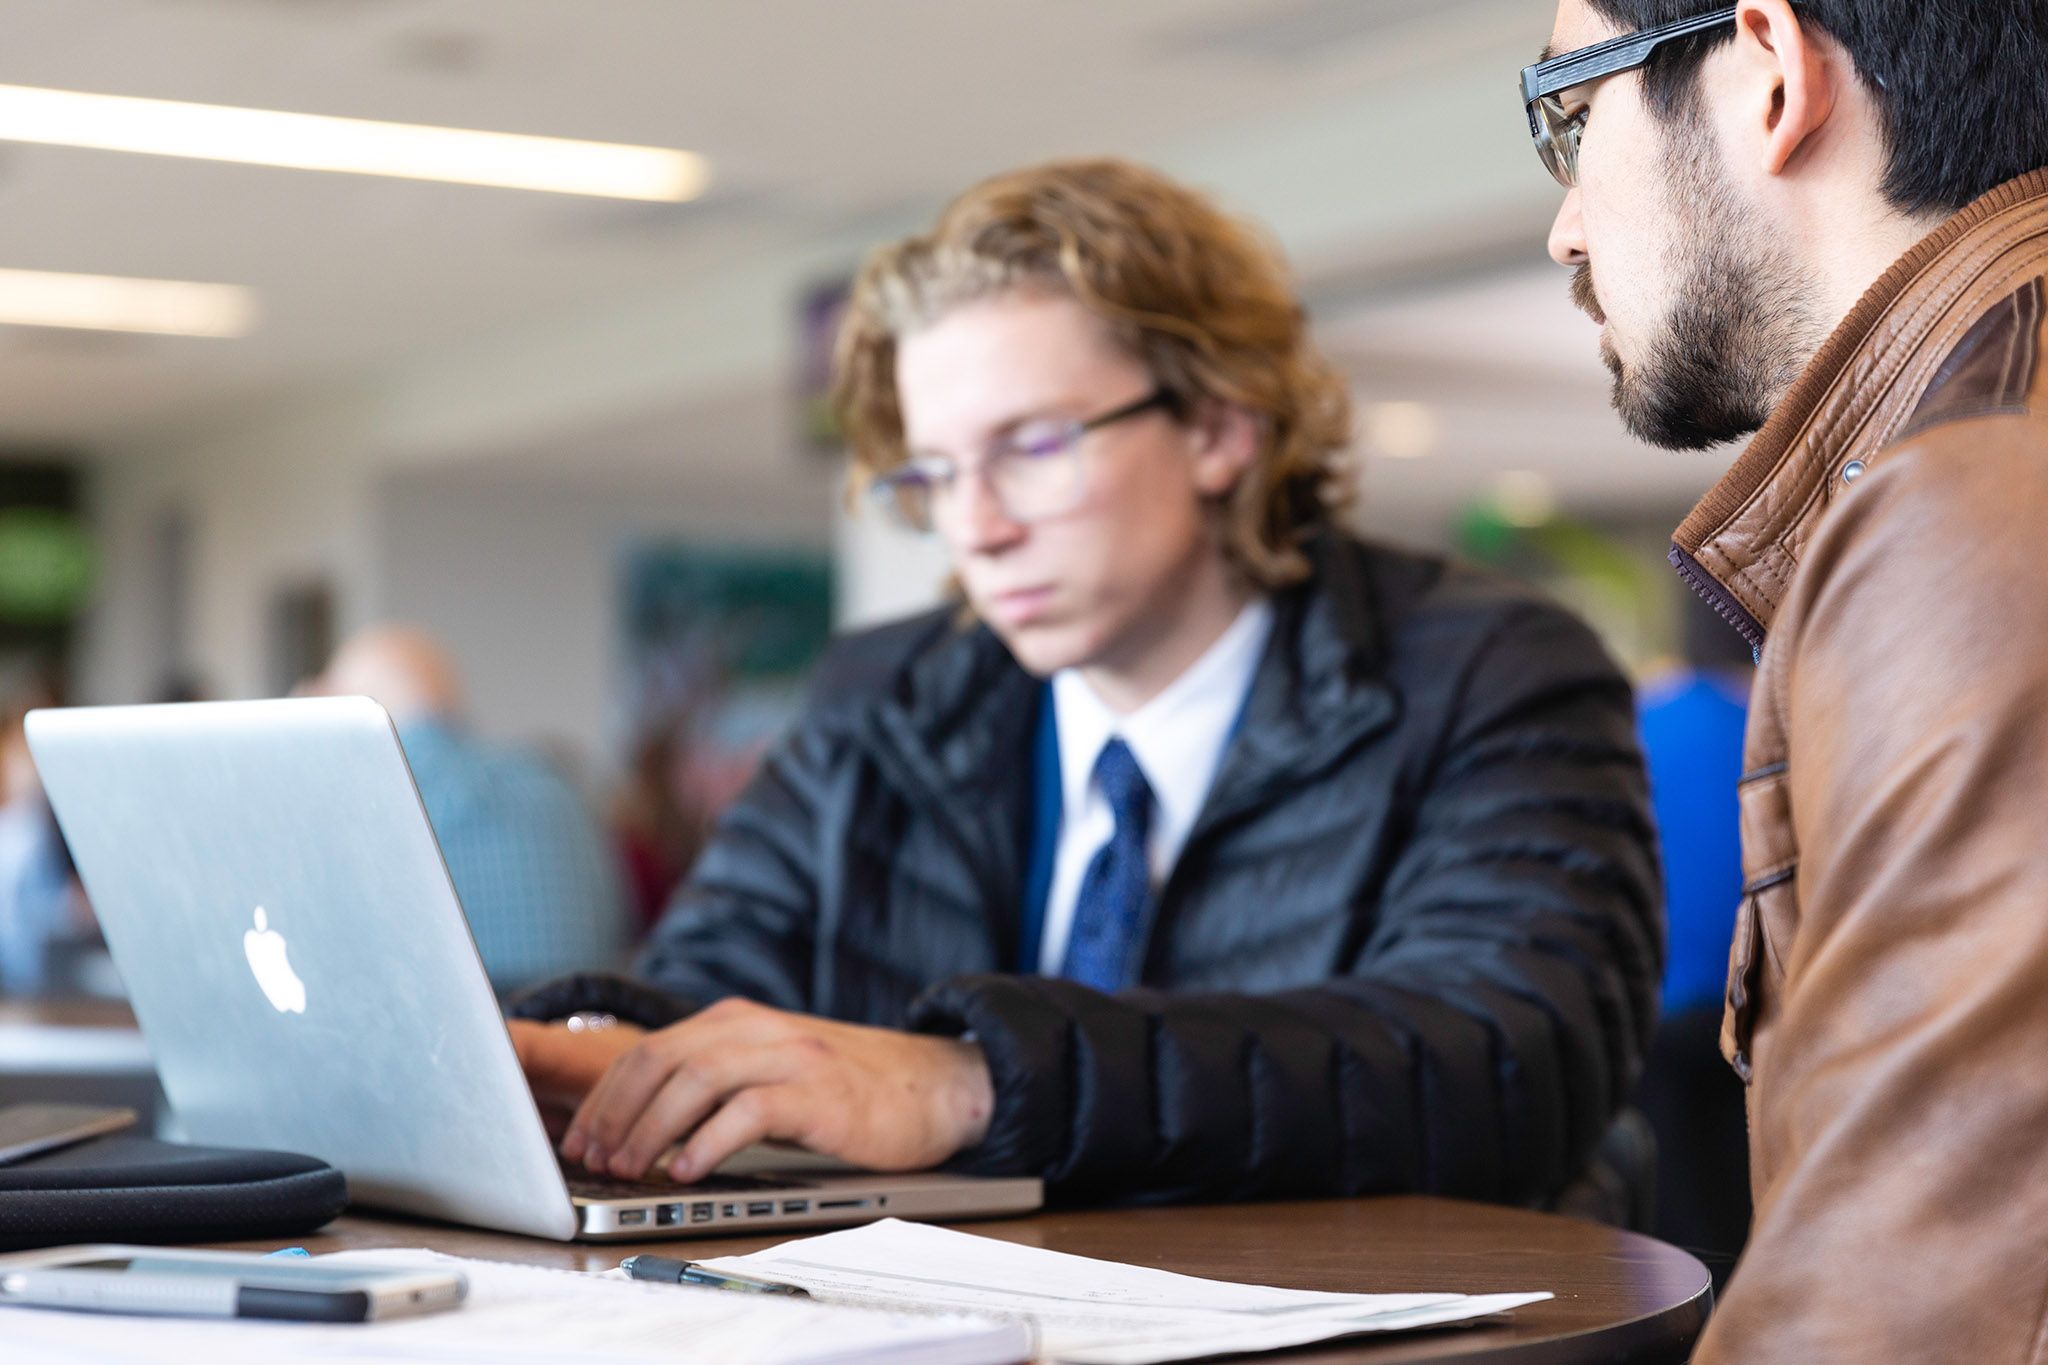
x,y
1178,737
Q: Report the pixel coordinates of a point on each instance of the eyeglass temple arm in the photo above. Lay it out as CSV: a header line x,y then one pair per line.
x,y
1614,55
1158,398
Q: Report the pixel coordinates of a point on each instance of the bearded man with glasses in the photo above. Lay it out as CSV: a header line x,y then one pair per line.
x,y
1826,224
1201,850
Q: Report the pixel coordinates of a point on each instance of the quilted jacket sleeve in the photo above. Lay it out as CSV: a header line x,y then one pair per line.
x,y
1483,1037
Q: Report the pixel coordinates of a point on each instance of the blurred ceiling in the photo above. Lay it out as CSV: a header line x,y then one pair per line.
x,y
1510,371
820,117
1379,138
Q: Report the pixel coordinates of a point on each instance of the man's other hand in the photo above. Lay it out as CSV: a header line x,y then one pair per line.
x,y
562,1064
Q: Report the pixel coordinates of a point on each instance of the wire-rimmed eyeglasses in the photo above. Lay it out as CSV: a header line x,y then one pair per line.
x,y
1034,471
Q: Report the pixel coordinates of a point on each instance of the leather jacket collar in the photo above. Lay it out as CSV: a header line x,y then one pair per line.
x,y
1879,374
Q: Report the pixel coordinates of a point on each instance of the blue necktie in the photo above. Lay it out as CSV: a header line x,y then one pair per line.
x,y
1110,911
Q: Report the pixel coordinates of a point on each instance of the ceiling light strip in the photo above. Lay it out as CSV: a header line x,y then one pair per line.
x,y
110,303
319,142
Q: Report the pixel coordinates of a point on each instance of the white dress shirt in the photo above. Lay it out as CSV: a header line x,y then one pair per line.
x,y
1178,739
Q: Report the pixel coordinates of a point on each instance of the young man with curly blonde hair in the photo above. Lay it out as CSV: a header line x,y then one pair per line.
x,y
1202,850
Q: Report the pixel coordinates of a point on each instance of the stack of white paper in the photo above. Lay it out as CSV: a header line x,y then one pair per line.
x,y
1085,1311
517,1314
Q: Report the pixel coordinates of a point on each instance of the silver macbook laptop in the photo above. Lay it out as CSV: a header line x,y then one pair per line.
x,y
302,971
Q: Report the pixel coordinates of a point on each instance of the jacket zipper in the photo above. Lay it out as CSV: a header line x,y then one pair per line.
x,y
1719,598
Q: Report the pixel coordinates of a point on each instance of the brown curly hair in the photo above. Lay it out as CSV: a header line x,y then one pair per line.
x,y
1202,299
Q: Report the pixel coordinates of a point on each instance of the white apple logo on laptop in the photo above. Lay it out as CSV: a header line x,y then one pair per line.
x,y
266,950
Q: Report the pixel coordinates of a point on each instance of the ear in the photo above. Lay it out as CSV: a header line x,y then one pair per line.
x,y
1226,441
1795,70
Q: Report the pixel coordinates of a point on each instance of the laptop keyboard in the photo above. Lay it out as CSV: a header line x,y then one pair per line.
x,y
584,1185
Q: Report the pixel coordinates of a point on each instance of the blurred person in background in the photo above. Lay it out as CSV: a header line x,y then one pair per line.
x,y
1200,851
1824,226
182,688
537,881
39,904
659,827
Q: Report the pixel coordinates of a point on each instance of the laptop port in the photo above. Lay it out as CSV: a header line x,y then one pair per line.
x,y
668,1215
824,1204
730,1210
796,1206
762,1209
700,1213
632,1217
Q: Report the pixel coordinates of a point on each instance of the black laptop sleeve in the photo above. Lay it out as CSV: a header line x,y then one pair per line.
x,y
126,1188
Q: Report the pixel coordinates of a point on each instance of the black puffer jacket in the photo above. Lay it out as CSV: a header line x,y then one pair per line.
x,y
1412,944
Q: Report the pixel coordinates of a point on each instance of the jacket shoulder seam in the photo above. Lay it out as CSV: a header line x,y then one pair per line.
x,y
1995,364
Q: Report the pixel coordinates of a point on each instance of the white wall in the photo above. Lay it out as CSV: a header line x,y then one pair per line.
x,y
521,577
880,571
511,557
269,506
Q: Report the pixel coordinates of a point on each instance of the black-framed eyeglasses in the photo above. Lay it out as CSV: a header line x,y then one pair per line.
x,y
1557,131
1035,471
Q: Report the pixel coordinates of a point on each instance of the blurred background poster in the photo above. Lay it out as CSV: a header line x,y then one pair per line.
x,y
717,646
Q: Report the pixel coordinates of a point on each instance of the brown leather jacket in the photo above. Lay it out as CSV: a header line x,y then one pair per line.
x,y
1885,542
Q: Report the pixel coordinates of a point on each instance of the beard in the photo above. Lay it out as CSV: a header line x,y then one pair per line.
x,y
1744,326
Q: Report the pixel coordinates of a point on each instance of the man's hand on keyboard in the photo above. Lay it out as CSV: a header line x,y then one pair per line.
x,y
737,1073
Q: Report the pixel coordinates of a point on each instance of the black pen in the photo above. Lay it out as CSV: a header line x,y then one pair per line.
x,y
665,1270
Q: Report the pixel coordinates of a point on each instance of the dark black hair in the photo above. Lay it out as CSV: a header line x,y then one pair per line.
x,y
1961,86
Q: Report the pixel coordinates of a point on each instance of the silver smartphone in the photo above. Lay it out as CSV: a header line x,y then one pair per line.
x,y
28,1130
220,1284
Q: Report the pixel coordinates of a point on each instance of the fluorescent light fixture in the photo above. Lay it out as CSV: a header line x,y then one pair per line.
x,y
1525,498
1401,431
109,303
317,142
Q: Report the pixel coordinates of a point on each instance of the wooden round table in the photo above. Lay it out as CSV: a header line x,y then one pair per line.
x,y
1621,1298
